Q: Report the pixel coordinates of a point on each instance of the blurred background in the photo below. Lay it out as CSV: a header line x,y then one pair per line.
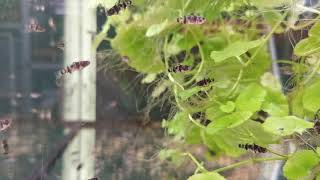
x,y
48,139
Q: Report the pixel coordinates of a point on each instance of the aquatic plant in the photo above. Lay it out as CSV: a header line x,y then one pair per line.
x,y
230,49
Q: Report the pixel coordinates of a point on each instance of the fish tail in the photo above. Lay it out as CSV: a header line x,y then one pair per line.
x,y
58,75
59,82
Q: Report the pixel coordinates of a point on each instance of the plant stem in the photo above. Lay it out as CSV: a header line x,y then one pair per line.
x,y
203,169
313,10
276,153
237,82
201,63
167,64
195,122
249,161
266,39
240,60
312,73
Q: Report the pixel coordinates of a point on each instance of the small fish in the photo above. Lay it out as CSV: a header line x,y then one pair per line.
x,y
79,166
204,82
76,66
52,24
34,26
180,68
118,7
5,146
255,148
191,19
5,123
60,45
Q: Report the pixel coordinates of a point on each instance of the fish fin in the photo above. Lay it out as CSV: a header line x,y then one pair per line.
x,y
59,82
58,75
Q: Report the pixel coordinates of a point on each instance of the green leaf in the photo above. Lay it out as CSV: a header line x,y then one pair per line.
x,y
190,38
268,80
315,30
207,176
270,3
210,142
235,49
227,141
178,125
214,112
311,97
296,103
142,51
171,154
228,107
160,88
273,17
276,104
193,135
228,121
318,151
185,94
300,164
149,78
251,98
287,125
156,28
307,46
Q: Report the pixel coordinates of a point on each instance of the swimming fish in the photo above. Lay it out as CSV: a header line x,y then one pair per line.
x,y
34,26
76,66
204,82
191,19
179,68
118,7
60,45
5,123
5,146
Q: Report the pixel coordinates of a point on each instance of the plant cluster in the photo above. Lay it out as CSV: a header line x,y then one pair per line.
x,y
230,50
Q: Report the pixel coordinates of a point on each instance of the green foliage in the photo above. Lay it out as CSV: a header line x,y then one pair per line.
x,y
311,44
311,97
236,56
228,107
227,141
207,176
156,29
228,121
251,98
300,164
287,125
142,51
233,50
178,125
171,155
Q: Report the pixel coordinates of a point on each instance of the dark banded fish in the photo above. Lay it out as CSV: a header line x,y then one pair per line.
x,y
255,148
191,19
5,123
204,82
76,66
180,68
60,45
118,7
